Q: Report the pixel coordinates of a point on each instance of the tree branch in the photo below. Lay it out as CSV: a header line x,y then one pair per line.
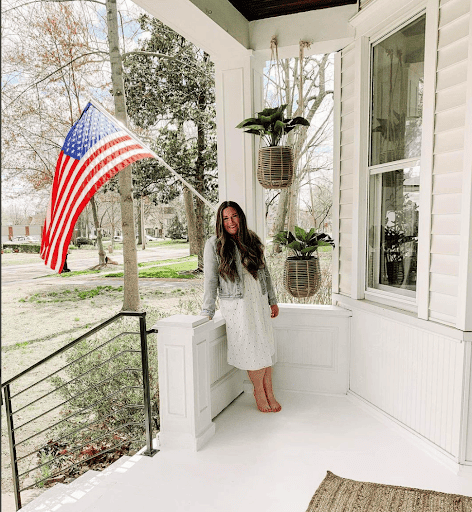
x,y
54,72
53,1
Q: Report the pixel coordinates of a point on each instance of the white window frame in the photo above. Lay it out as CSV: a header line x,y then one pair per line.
x,y
384,294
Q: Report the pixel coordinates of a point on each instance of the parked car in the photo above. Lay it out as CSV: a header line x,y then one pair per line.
x,y
151,238
118,238
32,239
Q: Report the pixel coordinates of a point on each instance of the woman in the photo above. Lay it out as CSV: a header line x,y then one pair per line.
x,y
234,266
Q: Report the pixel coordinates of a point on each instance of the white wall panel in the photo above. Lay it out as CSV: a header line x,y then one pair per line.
x,y
226,381
412,375
312,349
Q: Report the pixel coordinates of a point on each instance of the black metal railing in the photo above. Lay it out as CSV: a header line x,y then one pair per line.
x,y
104,388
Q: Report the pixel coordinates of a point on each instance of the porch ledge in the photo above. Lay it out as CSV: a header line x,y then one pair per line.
x,y
182,321
309,309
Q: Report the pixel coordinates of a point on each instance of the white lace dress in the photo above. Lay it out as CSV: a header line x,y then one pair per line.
x,y
248,327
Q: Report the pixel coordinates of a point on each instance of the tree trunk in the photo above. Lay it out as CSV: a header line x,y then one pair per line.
x,y
191,222
279,224
292,207
131,300
101,251
199,186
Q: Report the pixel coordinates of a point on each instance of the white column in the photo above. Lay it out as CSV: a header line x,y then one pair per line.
x,y
239,82
184,382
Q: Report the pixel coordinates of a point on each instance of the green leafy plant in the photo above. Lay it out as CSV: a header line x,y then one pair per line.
x,y
271,125
303,243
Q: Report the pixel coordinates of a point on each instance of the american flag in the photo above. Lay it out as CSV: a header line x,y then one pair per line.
x,y
94,151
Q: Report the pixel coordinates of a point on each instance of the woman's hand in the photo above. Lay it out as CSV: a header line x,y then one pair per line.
x,y
274,311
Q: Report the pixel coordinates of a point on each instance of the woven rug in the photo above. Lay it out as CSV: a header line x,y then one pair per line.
x,y
336,494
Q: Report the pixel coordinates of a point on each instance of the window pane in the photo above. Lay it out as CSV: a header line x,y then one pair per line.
x,y
393,232
397,94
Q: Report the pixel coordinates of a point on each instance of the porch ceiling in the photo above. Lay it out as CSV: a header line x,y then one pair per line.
x,y
261,9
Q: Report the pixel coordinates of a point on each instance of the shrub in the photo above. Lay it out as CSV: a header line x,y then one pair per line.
x,y
109,377
176,229
28,248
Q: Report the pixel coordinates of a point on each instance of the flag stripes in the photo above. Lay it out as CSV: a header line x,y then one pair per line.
x,y
92,154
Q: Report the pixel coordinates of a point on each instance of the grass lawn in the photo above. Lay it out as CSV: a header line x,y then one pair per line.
x,y
163,271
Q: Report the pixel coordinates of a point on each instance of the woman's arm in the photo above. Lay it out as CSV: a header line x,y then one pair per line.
x,y
270,287
211,277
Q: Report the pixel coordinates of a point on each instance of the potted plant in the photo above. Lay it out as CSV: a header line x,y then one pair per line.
x,y
275,164
302,274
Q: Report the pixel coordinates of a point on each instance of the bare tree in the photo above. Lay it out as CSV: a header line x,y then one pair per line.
x,y
316,107
61,56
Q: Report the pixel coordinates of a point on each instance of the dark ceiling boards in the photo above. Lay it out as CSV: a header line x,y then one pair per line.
x,y
260,9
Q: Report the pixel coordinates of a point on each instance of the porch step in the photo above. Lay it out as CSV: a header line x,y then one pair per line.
x,y
47,500
79,495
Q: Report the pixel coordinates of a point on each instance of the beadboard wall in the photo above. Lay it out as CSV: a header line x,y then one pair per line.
x,y
415,376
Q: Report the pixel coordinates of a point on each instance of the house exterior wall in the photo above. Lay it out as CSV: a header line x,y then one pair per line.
x,y
448,158
445,162
413,365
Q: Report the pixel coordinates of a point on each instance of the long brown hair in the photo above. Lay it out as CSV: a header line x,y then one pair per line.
x,y
248,243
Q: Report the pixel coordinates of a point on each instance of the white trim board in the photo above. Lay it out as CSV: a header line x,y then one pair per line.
x,y
403,316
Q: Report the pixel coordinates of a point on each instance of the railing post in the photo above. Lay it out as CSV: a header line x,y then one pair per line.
x,y
184,382
150,452
11,437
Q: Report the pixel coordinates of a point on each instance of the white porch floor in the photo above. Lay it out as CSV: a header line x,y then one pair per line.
x,y
260,462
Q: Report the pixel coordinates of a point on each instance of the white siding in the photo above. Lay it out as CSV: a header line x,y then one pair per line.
x,y
364,3
448,158
346,169
413,375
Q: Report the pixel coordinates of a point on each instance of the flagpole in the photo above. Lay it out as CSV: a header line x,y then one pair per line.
x,y
145,146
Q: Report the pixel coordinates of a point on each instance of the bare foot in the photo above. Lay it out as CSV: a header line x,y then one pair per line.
x,y
261,402
273,404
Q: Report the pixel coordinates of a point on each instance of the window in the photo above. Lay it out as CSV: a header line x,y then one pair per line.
x,y
395,149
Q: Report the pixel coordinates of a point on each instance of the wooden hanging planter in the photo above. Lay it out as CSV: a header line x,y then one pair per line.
x,y
275,166
302,278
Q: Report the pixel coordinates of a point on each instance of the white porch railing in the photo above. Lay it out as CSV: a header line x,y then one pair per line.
x,y
196,383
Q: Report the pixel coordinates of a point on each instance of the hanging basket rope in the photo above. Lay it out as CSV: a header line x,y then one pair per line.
x,y
275,163
302,278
